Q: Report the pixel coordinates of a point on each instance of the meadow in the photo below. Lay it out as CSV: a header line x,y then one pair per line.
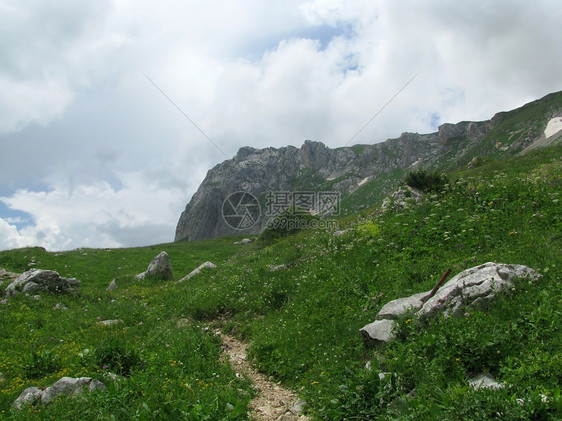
x,y
302,319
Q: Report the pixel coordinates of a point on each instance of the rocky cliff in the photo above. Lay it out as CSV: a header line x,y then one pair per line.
x,y
236,196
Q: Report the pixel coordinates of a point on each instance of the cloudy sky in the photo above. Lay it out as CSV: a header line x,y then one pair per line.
x,y
92,154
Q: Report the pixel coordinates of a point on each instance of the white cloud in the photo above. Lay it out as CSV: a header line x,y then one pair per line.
x,y
77,114
95,215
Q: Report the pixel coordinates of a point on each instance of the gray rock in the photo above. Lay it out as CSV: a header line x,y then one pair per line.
x,y
472,287
7,276
159,268
402,198
243,241
64,386
402,306
30,396
70,386
377,332
475,286
297,407
196,271
112,286
485,381
277,267
60,307
37,280
111,322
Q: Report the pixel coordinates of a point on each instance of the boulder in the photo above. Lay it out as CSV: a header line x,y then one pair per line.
x,y
112,286
474,287
159,268
38,280
377,332
64,386
402,198
402,306
206,265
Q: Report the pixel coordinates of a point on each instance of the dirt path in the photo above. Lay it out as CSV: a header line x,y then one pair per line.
x,y
273,402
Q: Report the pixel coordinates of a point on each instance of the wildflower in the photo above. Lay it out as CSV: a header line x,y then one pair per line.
x,y
467,314
408,321
458,360
52,339
314,382
85,310
4,301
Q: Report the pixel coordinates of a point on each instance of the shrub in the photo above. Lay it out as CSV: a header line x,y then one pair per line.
x,y
426,181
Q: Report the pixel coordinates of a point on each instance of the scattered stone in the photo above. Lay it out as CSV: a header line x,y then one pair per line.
x,y
378,331
183,323
402,198
339,233
473,287
159,268
38,280
112,376
196,271
298,406
60,306
64,386
243,241
112,286
111,322
277,267
485,381
7,276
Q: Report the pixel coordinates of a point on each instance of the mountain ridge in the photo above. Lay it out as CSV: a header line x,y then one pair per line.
x,y
315,167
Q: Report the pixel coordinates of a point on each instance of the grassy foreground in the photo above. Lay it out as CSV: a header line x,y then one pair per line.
x,y
303,319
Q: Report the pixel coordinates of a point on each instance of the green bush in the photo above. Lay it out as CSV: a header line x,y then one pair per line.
x,y
426,181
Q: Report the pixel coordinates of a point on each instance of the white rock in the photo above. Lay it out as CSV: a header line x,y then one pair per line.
x,y
378,331
206,265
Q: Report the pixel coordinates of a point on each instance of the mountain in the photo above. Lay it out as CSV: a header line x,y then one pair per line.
x,y
242,194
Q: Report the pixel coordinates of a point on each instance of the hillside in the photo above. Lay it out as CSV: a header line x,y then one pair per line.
x,y
360,175
302,320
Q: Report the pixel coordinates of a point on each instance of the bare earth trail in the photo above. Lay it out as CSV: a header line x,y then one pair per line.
x,y
273,402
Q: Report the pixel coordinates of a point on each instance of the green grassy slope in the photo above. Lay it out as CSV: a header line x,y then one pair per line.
x,y
303,321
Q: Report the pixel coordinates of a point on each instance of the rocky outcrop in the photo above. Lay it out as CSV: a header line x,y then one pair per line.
x,y
64,386
473,287
159,268
315,167
37,280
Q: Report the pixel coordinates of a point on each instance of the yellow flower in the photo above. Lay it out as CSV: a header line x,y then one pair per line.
x,y
409,321
314,382
458,360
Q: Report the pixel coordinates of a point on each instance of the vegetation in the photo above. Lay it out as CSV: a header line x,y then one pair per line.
x,y
303,321
425,181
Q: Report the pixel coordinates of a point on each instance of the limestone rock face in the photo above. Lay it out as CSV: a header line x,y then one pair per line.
x,y
159,268
37,280
258,171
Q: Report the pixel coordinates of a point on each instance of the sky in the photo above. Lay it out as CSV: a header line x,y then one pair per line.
x,y
95,152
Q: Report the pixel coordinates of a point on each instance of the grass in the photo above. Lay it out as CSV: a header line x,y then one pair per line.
x,y
303,320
